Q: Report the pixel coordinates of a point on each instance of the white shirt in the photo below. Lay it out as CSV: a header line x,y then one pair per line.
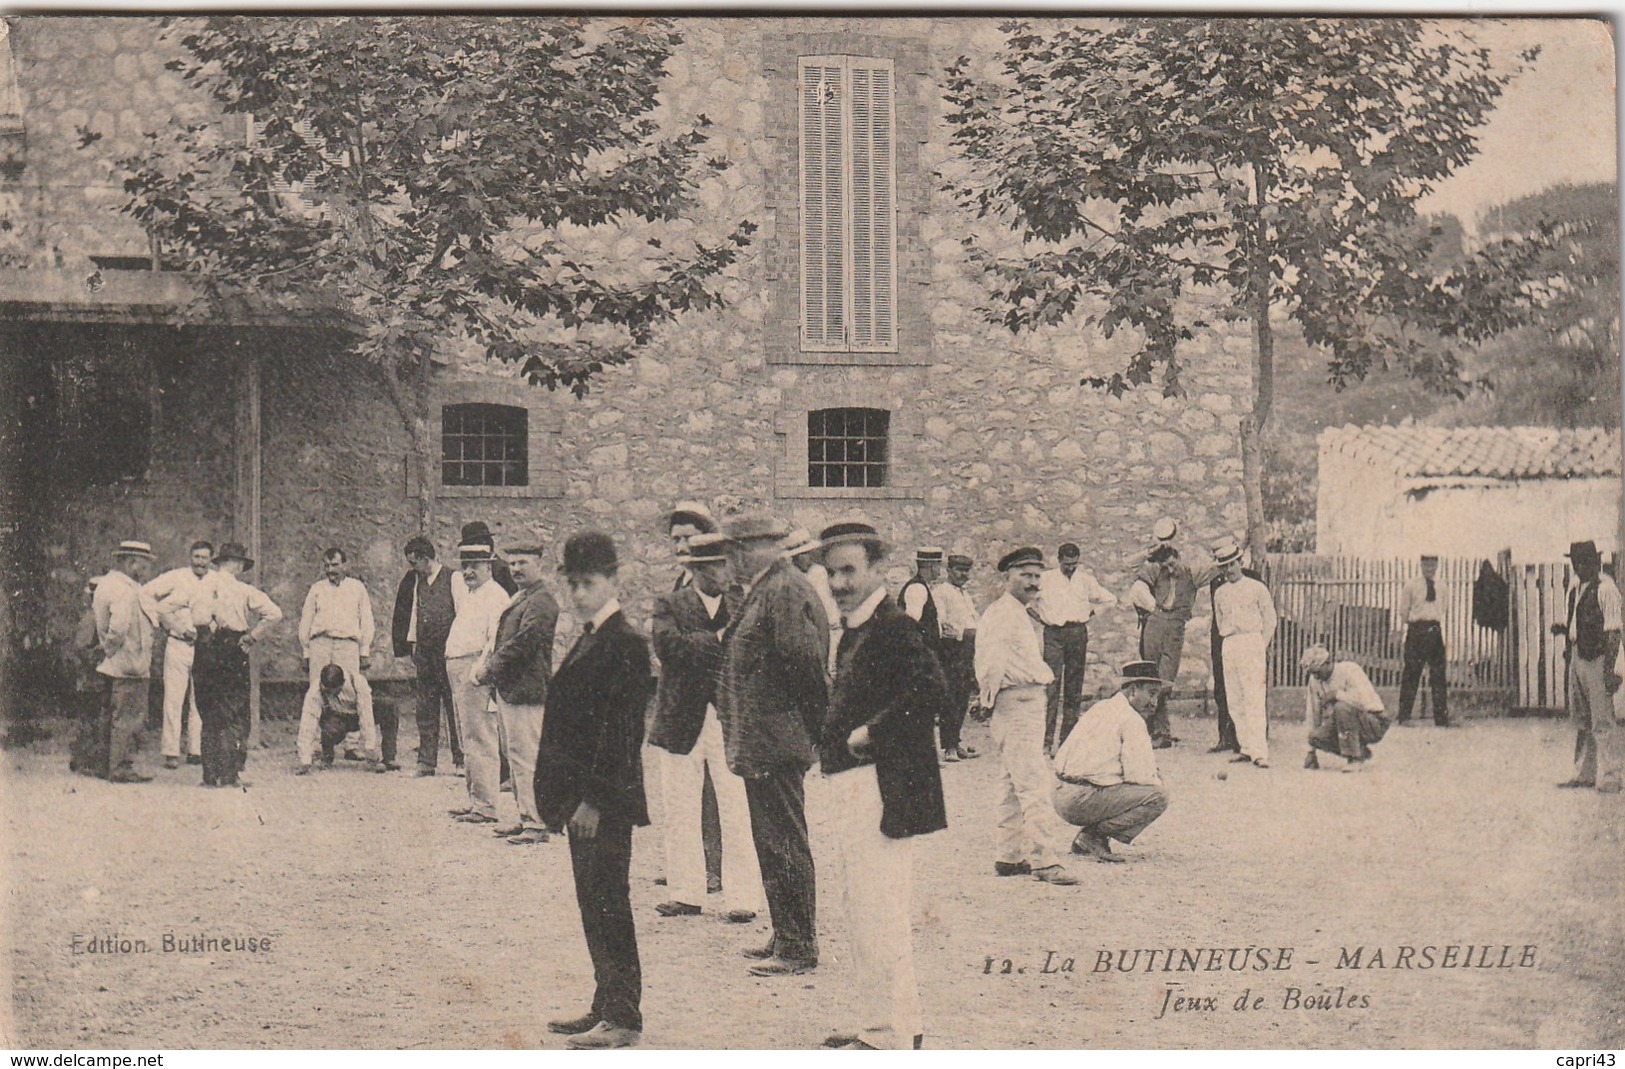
x,y
173,593
125,617
712,605
412,621
225,601
1009,650
1244,607
475,626
339,610
956,612
1414,606
1348,683
1109,745
1063,600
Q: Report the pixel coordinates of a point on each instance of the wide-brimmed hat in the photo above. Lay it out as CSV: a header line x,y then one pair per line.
x,y
1018,557
800,542
1315,658
132,548
755,526
1164,529
590,553
1138,672
1587,550
1226,550
694,513
704,549
839,534
234,551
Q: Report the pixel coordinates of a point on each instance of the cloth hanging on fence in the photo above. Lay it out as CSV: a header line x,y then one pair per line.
x,y
1489,598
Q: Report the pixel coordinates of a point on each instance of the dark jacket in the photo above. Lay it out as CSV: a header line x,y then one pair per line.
x,y
436,610
521,659
773,689
886,677
690,652
592,731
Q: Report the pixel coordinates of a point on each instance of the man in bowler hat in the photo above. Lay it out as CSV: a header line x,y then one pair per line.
x,y
589,778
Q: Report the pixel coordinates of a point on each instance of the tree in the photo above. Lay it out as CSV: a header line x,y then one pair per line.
x,y
1273,162
446,183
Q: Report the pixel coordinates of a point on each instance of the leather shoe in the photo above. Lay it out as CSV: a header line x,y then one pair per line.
x,y
507,829
605,1036
950,757
1239,758
460,811
783,967
475,818
837,1040
129,777
1012,868
760,953
172,762
677,909
574,1026
1573,783
1259,762
967,753
1220,748
1055,874
424,773
194,759
739,916
1162,744
1312,761
856,1044
530,837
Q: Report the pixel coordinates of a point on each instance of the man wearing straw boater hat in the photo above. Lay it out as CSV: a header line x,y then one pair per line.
x,y
1110,787
772,693
230,617
1421,613
1163,593
1593,631
1245,615
125,618
877,749
472,633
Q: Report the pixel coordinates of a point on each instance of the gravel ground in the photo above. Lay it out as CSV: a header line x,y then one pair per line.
x,y
391,926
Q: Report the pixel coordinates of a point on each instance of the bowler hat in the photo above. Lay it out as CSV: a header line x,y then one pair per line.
x,y
1586,550
132,548
754,526
476,533
234,551
590,553
1139,672
704,549
1226,550
1018,557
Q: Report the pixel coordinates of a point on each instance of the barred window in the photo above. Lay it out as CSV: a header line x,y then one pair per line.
x,y
484,445
848,447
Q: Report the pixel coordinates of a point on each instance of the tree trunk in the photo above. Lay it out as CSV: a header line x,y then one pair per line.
x,y
1253,427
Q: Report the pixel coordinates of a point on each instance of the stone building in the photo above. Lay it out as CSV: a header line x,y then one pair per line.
x,y
848,372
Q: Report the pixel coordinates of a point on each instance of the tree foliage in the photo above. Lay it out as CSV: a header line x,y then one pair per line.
x,y
1272,163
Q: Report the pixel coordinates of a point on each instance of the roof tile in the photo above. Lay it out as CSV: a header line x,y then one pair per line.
x,y
1488,452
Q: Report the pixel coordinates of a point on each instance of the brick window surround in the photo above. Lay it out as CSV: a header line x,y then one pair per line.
x,y
544,427
904,434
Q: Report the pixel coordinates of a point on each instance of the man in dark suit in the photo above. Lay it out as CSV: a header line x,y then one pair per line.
x,y
589,777
517,668
688,625
771,696
878,751
424,610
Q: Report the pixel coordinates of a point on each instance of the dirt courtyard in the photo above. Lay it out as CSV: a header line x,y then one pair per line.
x,y
391,926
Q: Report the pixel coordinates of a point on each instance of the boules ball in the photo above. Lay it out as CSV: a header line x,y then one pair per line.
x,y
1221,775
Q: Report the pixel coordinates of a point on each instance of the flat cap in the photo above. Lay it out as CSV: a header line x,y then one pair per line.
x,y
959,560
1018,557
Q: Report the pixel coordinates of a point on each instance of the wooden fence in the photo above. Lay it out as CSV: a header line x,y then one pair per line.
x,y
1351,606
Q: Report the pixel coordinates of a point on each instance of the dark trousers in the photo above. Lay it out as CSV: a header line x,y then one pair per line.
x,y
1162,641
1066,651
778,825
1221,704
601,866
711,831
389,727
1424,648
1348,731
956,655
434,697
220,684
334,728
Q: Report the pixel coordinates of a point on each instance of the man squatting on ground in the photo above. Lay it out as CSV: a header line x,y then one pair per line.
x,y
878,753
1110,787
1344,711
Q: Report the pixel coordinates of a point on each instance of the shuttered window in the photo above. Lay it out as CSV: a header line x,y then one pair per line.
x,y
848,205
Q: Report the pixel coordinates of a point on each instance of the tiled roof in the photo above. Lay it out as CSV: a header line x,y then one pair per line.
x,y
1484,452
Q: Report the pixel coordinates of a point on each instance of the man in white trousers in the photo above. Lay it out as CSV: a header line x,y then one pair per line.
x,y
474,631
1245,616
173,592
336,627
688,625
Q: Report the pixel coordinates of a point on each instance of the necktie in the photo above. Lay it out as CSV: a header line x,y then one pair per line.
x,y
587,630
1431,591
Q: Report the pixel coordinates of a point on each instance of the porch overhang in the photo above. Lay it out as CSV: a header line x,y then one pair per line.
x,y
169,298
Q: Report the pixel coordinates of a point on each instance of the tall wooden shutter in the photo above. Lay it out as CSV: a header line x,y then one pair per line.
x,y
848,205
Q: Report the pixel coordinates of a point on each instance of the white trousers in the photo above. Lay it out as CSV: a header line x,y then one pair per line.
x,y
1245,688
477,720
877,892
346,653
1029,828
682,783
178,695
519,732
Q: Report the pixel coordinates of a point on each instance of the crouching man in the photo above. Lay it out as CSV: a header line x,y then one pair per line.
x,y
1110,787
1344,714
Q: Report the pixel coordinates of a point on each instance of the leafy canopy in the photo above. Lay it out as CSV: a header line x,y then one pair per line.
x,y
1276,162
444,181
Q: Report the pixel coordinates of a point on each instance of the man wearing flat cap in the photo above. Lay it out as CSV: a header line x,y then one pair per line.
x,y
1068,598
1110,787
230,617
1163,593
688,626
772,694
472,633
516,668
1421,613
1011,677
1593,631
1245,616
957,616
878,754
1343,710
589,779
125,617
